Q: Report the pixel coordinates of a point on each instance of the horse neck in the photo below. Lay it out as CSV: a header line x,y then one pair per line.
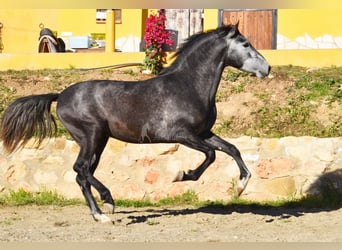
x,y
208,70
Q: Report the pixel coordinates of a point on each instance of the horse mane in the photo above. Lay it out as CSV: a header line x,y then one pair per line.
x,y
193,42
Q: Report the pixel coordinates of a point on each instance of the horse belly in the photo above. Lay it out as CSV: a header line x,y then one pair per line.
x,y
122,131
140,131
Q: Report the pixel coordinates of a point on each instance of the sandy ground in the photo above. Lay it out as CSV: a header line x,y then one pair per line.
x,y
173,224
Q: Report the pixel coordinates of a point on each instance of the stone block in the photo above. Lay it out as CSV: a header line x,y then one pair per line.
x,y
271,148
151,176
70,176
53,160
74,147
32,144
45,178
3,163
120,176
115,146
275,167
128,191
313,167
164,148
16,173
156,195
301,153
146,161
59,143
323,149
283,186
177,188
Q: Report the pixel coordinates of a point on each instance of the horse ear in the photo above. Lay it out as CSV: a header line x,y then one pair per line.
x,y
234,30
236,27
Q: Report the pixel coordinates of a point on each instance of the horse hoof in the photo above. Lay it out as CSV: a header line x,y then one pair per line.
x,y
240,190
108,208
179,176
102,218
241,185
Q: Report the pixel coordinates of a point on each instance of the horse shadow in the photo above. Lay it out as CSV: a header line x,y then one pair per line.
x,y
324,195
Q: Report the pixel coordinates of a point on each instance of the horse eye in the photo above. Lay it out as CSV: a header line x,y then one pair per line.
x,y
246,45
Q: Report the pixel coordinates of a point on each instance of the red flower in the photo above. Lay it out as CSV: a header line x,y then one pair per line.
x,y
155,37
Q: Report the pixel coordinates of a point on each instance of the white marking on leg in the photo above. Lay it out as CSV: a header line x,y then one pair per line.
x,y
242,184
102,218
179,176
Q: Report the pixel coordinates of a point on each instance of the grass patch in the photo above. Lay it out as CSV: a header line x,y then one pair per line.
x,y
130,72
331,199
7,95
233,75
21,197
321,83
293,111
284,120
44,197
186,198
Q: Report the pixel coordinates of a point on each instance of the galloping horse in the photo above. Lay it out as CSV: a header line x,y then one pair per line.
x,y
176,106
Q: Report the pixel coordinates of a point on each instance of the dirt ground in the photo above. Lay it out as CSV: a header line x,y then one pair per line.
x,y
175,224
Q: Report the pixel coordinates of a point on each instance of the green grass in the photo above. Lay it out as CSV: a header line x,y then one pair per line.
x,y
21,197
296,115
7,95
284,120
321,84
44,197
130,72
187,198
328,199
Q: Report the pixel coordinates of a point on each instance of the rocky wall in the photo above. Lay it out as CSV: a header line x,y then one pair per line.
x,y
281,168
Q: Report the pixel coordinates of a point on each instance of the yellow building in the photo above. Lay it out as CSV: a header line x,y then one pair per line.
x,y
295,29
21,27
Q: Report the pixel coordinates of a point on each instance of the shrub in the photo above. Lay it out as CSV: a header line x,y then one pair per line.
x,y
155,37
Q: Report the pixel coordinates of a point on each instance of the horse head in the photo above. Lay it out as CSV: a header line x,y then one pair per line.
x,y
242,55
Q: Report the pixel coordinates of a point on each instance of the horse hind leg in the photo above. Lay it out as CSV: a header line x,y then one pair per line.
x,y
104,192
231,150
92,142
85,181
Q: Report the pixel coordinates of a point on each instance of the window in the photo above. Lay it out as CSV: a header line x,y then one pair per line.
x,y
101,15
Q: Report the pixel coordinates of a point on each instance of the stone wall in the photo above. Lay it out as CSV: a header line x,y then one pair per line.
x,y
281,168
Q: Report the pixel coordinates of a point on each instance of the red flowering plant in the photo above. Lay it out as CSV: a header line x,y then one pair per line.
x,y
156,36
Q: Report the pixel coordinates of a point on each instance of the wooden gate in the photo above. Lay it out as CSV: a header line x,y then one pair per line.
x,y
258,26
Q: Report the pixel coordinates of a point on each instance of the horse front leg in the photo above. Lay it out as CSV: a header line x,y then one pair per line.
x,y
231,150
196,143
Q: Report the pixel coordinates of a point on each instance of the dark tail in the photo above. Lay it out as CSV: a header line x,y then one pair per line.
x,y
28,117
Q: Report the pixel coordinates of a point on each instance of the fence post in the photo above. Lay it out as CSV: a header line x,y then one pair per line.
x,y
110,31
